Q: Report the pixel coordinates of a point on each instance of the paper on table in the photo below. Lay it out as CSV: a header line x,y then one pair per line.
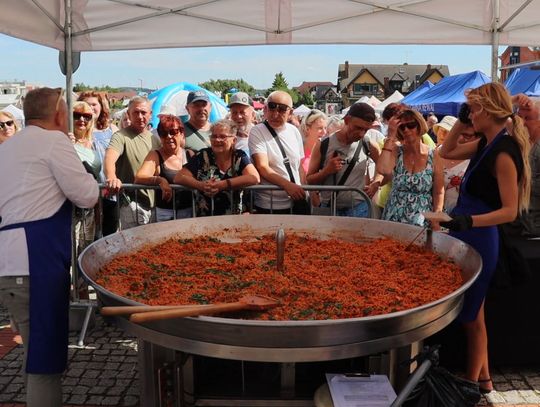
x,y
360,391
437,216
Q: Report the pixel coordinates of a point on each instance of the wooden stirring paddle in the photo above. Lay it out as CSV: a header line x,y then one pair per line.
x,y
250,302
132,309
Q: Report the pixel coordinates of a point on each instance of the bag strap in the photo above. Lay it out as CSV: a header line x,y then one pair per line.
x,y
282,149
324,149
196,132
351,165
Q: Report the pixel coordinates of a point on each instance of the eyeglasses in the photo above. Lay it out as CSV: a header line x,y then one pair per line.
x,y
82,116
171,132
409,125
281,108
8,123
219,137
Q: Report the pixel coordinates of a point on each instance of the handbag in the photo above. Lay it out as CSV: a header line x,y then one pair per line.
x,y
301,206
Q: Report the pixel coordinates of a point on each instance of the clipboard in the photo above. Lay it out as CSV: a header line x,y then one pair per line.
x,y
360,390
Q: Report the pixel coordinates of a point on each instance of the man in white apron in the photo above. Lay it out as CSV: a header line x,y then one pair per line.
x,y
41,177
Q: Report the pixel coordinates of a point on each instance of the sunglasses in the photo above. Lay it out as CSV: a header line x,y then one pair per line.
x,y
82,116
409,125
9,123
58,99
171,132
281,108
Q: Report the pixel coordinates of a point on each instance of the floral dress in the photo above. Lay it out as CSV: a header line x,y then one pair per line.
x,y
411,193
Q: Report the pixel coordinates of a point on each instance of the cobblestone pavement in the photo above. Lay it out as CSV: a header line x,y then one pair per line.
x,y
104,372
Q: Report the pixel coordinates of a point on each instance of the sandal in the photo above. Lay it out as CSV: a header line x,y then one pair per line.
x,y
484,390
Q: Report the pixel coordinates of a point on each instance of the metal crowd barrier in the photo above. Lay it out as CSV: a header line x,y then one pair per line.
x,y
88,305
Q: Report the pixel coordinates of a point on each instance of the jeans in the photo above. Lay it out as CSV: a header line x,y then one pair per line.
x,y
360,210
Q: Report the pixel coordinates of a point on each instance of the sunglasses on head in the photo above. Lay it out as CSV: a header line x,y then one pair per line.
x,y
5,124
409,125
171,132
82,116
281,108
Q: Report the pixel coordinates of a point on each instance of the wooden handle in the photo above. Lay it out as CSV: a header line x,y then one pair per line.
x,y
132,309
187,312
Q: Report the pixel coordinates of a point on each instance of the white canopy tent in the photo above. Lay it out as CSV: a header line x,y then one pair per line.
x,y
302,110
393,98
100,25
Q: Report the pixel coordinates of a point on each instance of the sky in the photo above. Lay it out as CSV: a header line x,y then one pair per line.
x,y
257,65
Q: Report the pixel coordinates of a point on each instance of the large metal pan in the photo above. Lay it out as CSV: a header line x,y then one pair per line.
x,y
286,341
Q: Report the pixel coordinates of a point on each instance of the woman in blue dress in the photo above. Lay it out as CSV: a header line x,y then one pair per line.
x,y
495,187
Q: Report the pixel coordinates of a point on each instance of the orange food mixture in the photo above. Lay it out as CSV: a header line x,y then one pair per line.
x,y
323,279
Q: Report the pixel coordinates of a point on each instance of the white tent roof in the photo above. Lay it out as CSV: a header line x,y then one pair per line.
x,y
302,110
393,98
139,24
15,111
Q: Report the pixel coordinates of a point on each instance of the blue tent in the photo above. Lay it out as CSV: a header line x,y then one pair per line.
x,y
525,81
447,95
175,96
427,85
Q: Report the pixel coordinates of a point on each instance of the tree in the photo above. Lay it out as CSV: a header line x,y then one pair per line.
x,y
81,87
224,86
307,99
280,83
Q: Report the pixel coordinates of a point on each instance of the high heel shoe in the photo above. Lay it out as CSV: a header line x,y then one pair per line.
x,y
484,390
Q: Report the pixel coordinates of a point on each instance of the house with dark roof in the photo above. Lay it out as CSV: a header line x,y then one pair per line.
x,y
357,80
324,94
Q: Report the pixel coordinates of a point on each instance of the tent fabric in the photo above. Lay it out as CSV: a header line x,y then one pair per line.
x,y
393,98
427,85
101,25
525,81
15,111
302,110
175,95
372,101
446,97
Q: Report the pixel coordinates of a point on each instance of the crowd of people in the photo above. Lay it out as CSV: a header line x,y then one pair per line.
x,y
482,168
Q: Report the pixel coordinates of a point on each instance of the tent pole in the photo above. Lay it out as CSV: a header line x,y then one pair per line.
x,y
495,42
69,62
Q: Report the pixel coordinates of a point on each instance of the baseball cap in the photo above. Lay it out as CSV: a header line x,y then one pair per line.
x,y
196,95
240,98
362,111
167,109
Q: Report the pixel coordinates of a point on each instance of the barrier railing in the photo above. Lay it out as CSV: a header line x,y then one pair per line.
x,y
88,305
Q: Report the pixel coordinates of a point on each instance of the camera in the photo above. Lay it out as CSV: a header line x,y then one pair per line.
x,y
464,112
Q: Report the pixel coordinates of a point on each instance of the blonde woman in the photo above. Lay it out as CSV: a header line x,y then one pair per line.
x,y
312,128
494,189
8,125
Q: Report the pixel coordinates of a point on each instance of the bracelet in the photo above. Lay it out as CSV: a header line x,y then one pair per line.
x,y
229,184
387,149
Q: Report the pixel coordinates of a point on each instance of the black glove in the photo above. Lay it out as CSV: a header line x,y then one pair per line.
x,y
463,114
459,223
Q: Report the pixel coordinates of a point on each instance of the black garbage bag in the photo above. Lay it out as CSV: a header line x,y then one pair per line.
x,y
440,388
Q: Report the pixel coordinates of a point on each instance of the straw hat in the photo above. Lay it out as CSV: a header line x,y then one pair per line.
x,y
446,123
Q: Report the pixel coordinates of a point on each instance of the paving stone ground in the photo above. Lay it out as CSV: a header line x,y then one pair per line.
x,y
104,372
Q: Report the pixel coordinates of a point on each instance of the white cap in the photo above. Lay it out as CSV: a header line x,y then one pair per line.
x,y
167,109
